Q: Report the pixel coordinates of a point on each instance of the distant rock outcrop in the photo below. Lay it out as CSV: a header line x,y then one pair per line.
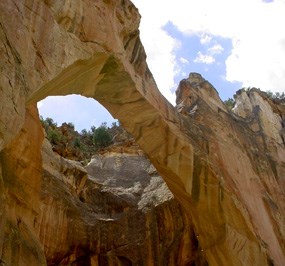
x,y
225,169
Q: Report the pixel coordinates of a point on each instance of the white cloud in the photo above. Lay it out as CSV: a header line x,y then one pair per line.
x,y
162,60
159,46
204,58
205,39
255,28
216,49
209,57
183,60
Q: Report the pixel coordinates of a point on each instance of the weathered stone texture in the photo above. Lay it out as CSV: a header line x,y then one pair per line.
x,y
227,170
119,212
240,172
21,180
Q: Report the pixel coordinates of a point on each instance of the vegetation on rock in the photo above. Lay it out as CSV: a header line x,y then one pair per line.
x,y
102,137
230,102
276,95
71,144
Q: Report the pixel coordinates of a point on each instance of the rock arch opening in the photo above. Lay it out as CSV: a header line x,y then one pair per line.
x,y
130,106
139,106
81,111
99,55
176,152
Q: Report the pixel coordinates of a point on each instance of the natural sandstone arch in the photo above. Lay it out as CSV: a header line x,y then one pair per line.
x,y
104,78
162,134
92,48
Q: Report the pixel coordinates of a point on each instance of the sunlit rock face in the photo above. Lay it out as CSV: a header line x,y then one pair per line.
x,y
116,211
20,186
267,113
239,170
39,39
225,169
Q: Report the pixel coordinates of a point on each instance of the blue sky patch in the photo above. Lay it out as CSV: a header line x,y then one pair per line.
x,y
213,50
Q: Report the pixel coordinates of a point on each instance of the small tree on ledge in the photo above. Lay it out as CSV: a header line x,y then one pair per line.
x,y
101,137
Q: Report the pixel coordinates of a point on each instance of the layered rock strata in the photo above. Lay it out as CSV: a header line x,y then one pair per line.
x,y
226,170
116,211
238,180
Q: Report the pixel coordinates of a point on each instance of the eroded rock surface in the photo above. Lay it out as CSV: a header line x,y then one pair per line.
x,y
239,169
21,179
226,170
117,211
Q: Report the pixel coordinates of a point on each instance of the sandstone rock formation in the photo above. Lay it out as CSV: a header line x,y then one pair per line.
x,y
226,170
116,212
239,170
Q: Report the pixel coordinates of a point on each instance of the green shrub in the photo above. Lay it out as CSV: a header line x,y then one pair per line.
x,y
76,143
276,95
93,128
53,136
70,125
84,132
230,103
101,137
49,121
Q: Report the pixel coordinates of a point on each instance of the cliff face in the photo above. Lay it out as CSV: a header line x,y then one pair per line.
x,y
238,180
21,178
225,169
116,211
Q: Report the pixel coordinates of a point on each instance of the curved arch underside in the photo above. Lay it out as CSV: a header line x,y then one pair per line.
x,y
104,78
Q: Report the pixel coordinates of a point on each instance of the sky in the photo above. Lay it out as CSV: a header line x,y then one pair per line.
x,y
231,43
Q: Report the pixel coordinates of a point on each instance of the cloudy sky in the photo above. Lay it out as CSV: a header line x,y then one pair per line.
x,y
232,43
